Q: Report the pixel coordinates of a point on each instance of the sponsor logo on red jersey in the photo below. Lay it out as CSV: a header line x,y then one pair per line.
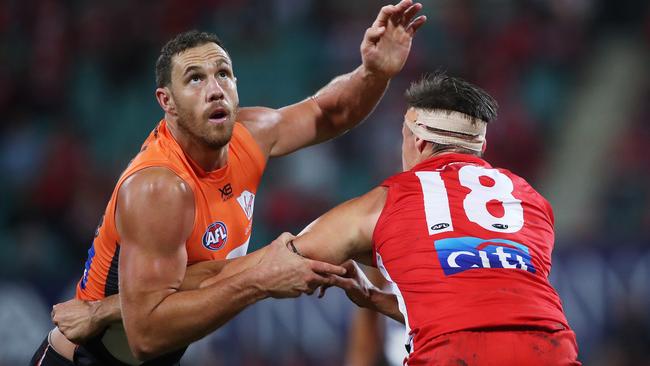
x,y
461,254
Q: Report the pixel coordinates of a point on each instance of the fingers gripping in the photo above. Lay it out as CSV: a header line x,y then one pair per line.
x,y
326,268
285,238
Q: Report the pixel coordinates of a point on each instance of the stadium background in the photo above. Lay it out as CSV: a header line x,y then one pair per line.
x,y
571,78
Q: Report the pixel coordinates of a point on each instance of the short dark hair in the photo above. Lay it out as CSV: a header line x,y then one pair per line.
x,y
438,91
176,45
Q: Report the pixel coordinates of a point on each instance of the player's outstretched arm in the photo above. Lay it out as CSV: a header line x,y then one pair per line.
x,y
154,217
345,233
349,98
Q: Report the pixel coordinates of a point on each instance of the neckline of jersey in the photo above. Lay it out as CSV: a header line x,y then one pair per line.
x,y
214,175
448,158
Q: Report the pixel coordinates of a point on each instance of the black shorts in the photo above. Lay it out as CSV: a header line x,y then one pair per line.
x,y
93,353
46,356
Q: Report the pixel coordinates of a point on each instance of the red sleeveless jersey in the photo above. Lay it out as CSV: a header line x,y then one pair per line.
x,y
223,201
466,247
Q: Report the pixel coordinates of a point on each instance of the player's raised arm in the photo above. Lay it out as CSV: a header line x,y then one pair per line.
x,y
347,99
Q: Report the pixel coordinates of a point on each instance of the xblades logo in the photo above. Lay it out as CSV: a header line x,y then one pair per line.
x,y
226,191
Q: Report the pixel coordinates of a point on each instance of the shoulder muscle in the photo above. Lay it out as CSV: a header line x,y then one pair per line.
x,y
261,122
154,205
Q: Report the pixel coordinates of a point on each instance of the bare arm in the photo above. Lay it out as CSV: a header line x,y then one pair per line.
x,y
345,233
81,320
349,98
158,318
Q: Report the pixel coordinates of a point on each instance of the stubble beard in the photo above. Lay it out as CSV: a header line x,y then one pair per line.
x,y
212,137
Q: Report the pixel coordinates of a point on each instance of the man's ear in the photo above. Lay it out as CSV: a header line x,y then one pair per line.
x,y
420,144
164,98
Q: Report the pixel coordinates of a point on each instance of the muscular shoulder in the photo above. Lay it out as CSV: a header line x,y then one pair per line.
x,y
261,122
156,183
155,201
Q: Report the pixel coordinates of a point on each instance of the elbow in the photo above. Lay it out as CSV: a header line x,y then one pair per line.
x,y
144,348
142,351
145,351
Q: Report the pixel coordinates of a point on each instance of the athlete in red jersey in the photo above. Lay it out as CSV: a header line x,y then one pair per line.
x,y
187,197
466,246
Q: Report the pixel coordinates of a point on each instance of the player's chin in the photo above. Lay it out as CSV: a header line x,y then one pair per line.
x,y
218,136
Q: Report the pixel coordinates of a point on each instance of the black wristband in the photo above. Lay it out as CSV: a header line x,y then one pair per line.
x,y
293,248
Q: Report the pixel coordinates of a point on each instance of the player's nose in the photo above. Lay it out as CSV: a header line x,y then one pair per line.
x,y
214,90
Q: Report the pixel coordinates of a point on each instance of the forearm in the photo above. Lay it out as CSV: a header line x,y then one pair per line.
x,y
106,311
349,98
186,316
197,273
232,267
386,303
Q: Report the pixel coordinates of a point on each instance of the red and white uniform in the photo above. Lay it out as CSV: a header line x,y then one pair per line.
x,y
467,247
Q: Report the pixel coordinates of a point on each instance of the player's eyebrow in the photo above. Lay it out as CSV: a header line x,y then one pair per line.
x,y
220,61
191,68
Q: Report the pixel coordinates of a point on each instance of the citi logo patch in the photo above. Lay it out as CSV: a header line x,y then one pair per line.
x,y
461,254
215,236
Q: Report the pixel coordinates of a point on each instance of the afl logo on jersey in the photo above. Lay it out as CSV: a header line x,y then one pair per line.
x,y
215,236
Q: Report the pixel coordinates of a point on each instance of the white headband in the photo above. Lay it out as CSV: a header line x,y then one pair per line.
x,y
424,124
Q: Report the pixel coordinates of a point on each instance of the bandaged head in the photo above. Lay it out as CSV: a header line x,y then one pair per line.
x,y
447,128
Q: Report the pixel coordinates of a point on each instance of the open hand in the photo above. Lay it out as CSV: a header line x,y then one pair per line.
x,y
387,43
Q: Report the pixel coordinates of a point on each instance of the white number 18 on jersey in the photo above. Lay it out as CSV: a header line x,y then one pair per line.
x,y
475,204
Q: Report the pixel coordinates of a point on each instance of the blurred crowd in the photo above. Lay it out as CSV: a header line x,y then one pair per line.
x,y
76,95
